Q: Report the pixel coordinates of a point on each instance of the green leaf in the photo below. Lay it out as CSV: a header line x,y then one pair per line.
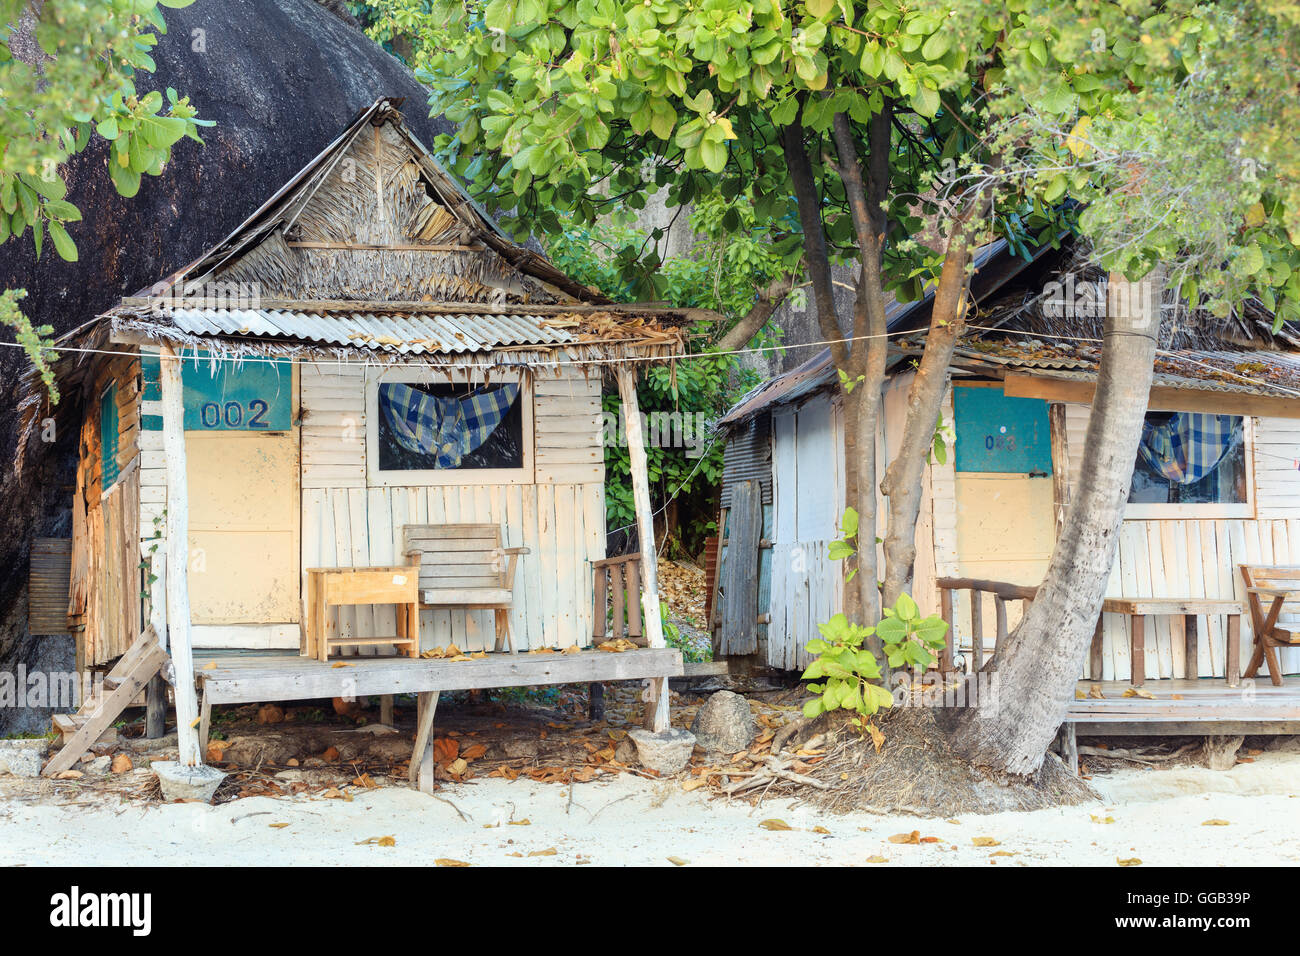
x,y
63,243
812,708
936,46
107,127
906,607
849,523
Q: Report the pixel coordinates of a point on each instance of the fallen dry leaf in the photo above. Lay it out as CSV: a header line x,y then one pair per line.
x,y
1095,692
277,826
549,851
330,755
877,859
1097,819
446,861
1131,861
775,825
378,841
121,764
985,841
365,781
474,752
69,775
677,861
909,838
210,666
1139,692
689,785
1215,823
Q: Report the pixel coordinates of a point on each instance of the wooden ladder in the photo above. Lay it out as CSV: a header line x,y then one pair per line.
x,y
122,685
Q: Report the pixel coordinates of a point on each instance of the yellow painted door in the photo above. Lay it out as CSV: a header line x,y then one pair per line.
x,y
244,526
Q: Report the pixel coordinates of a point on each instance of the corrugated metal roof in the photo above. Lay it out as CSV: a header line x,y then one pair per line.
x,y
406,333
747,456
1248,371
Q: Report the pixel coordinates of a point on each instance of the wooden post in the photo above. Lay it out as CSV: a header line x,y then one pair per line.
x,y
1138,649
1193,669
1060,463
155,722
945,611
657,711
178,539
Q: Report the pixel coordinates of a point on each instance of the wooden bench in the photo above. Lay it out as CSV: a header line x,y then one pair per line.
x,y
1280,585
1188,609
463,567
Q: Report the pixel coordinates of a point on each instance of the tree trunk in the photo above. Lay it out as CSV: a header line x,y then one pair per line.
x,y
1036,668
903,481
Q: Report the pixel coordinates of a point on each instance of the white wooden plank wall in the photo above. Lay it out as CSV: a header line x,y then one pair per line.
x,y
561,519
1199,557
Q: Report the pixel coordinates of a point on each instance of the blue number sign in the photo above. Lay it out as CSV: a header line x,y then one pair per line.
x,y
1000,434
253,395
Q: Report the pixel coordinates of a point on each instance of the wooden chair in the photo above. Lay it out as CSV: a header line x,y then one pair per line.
x,y
617,581
463,567
1278,586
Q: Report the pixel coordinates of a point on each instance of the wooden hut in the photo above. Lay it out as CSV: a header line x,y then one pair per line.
x,y
363,362
1016,412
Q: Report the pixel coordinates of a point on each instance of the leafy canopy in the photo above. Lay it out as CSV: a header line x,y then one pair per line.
x,y
79,83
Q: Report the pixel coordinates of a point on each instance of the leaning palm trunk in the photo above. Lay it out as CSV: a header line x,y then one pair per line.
x,y
1037,666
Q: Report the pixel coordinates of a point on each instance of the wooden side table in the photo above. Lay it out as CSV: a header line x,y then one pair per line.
x,y
326,587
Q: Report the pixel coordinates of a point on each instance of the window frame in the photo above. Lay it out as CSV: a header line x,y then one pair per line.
x,y
440,477
1157,511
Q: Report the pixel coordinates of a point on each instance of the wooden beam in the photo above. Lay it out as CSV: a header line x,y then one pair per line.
x,y
376,247
300,678
1161,398
657,708
178,553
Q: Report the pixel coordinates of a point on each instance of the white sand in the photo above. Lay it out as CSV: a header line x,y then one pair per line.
x,y
1158,817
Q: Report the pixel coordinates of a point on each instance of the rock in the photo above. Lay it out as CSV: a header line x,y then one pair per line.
x,y
724,722
516,747
270,714
667,752
23,758
1284,743
1220,753
165,742
625,752
97,765
180,782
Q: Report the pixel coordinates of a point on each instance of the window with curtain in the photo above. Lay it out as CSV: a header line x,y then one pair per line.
x,y
1190,458
449,427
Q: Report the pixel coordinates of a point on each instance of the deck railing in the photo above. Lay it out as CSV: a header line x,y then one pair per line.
x,y
1002,593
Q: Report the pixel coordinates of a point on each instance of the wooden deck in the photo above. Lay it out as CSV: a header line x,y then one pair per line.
x,y
254,678
1206,706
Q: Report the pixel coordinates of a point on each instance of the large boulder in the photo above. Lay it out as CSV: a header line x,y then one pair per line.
x,y
724,722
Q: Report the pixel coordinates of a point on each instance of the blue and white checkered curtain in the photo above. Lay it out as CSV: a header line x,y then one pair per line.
x,y
1189,446
447,428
